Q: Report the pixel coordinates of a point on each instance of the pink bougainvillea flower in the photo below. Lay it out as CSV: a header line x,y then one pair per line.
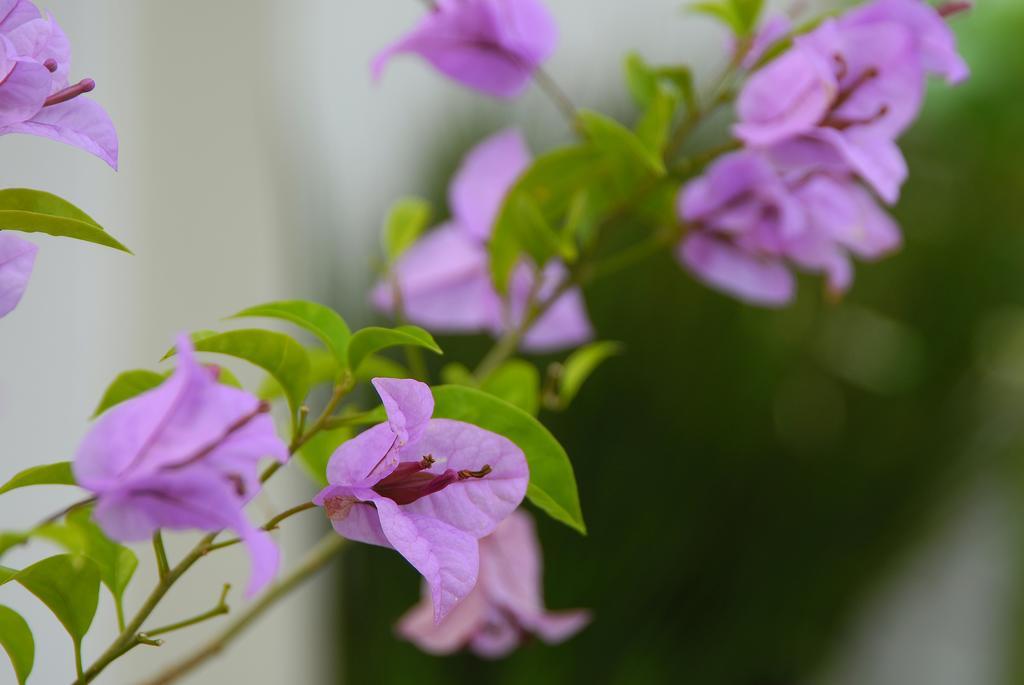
x,y
444,279
492,46
753,220
17,257
428,488
182,456
506,603
855,83
35,95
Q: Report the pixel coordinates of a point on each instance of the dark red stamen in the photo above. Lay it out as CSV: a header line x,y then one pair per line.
x,y
410,481
843,124
51,65
842,68
71,92
950,8
847,92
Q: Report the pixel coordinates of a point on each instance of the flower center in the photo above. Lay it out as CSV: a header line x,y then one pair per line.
x,y
411,481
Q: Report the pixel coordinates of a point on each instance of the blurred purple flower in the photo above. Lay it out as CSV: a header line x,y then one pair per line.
x,y
182,456
492,46
506,603
769,34
444,279
753,220
428,488
35,96
17,257
855,83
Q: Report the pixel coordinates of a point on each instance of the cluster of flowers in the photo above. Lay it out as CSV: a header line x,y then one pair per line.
x,y
36,98
816,123
443,493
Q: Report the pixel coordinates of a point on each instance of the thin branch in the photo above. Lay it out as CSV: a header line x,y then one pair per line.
x,y
219,610
318,558
268,526
162,567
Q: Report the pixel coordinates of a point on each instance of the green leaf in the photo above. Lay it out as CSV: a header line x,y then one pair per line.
x,y
68,585
681,78
552,182
457,374
581,364
16,639
373,339
34,211
10,539
276,353
552,482
518,383
613,137
126,386
47,474
406,221
321,321
376,366
116,563
653,127
640,79
739,15
535,235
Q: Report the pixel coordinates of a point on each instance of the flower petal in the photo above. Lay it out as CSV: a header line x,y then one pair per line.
x,y
409,406
80,122
365,459
22,92
447,557
875,158
451,634
17,257
564,324
484,178
760,281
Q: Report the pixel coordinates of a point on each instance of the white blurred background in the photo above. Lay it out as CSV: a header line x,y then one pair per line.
x,y
257,161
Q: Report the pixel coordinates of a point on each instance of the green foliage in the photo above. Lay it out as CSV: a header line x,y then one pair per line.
x,y
406,221
47,474
126,386
658,92
79,535
34,211
552,482
739,15
321,321
16,639
68,585
580,365
276,353
516,382
374,339
620,144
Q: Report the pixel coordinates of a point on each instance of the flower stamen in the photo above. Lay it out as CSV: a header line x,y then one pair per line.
x,y
86,85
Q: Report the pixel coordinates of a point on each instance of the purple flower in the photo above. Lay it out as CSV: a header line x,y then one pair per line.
x,y
35,95
444,280
17,257
182,456
855,83
752,220
429,488
770,34
506,603
493,46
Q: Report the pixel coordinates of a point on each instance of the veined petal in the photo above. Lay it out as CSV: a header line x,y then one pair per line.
x,y
877,159
42,39
408,404
22,92
80,122
365,459
14,13
17,257
448,558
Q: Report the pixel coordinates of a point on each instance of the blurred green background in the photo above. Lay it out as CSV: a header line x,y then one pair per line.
x,y
751,478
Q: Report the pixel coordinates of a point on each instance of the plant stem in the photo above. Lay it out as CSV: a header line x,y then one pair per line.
x,y
319,557
162,567
268,526
557,95
78,658
219,610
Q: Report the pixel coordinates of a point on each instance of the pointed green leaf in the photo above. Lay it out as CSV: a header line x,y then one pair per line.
x,y
10,539
457,374
68,585
34,211
653,127
581,364
373,339
276,353
640,78
47,474
406,221
116,563
126,386
16,639
552,482
518,383
321,321
610,135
